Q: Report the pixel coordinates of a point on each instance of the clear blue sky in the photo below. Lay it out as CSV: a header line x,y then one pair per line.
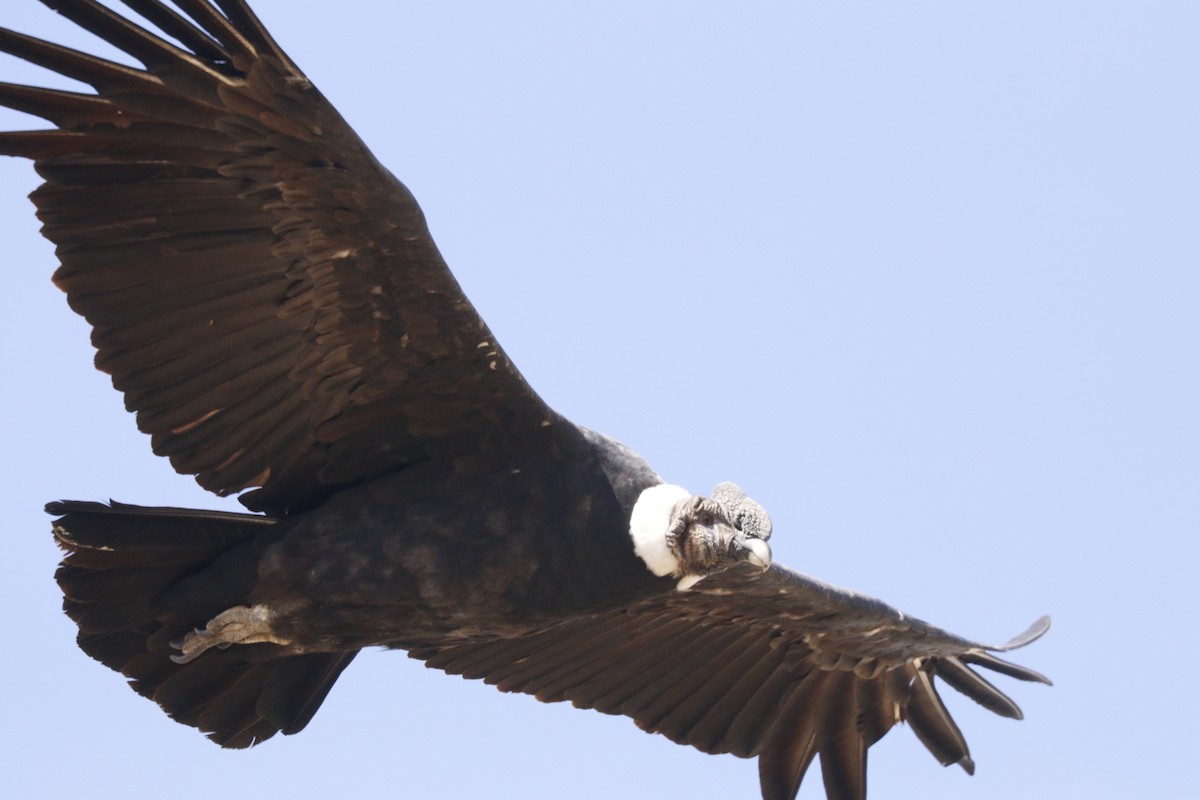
x,y
923,278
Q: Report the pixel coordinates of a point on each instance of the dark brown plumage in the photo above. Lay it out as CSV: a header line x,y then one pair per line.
x,y
269,301
303,332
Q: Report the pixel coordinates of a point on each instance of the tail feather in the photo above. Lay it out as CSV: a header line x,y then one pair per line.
x,y
89,586
113,527
135,579
297,688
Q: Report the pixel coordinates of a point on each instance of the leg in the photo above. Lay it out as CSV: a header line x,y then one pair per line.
x,y
237,625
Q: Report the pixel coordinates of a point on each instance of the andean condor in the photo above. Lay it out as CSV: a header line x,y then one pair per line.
x,y
269,300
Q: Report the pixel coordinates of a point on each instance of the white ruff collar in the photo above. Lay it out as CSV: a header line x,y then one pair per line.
x,y
649,523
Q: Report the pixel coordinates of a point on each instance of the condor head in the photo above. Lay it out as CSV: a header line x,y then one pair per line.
x,y
689,537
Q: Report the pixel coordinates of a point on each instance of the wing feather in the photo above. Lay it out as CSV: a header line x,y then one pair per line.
x,y
203,43
750,672
975,686
674,712
787,756
770,664
843,752
659,695
749,731
266,295
934,726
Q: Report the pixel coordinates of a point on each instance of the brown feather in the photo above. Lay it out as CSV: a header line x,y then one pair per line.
x,y
131,573
974,686
788,753
932,724
180,28
219,161
690,665
843,752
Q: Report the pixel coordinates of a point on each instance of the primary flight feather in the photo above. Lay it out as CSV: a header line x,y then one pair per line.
x,y
268,299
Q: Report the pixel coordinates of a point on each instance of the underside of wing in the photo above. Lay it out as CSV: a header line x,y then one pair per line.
x,y
773,665
264,293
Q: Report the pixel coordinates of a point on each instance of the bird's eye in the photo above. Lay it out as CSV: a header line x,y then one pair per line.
x,y
705,518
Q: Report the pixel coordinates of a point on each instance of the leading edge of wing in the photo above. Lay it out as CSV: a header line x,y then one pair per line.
x,y
858,614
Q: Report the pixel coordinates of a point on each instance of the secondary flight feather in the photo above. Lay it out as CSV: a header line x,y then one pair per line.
x,y
268,299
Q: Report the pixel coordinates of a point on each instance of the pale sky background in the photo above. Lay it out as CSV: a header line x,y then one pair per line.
x,y
922,277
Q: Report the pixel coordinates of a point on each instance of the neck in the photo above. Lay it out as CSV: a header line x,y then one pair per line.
x,y
649,523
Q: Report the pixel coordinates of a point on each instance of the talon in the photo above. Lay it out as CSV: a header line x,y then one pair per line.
x,y
237,625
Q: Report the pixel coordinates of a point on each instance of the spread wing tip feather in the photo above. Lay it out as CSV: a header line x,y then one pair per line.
x,y
968,682
957,673
216,157
1030,635
858,709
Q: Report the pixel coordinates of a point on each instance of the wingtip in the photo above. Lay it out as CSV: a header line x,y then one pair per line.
x,y
1030,635
997,664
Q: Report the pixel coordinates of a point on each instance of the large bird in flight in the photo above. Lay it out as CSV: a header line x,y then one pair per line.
x,y
270,302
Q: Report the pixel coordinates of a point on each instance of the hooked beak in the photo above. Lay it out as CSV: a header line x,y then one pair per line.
x,y
752,549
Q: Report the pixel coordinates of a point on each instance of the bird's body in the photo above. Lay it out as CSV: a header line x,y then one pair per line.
x,y
433,554
269,300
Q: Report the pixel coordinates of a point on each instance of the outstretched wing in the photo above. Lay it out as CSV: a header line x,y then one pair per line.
x,y
770,664
266,295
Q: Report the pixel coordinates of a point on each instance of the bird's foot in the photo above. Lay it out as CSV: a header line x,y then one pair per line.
x,y
237,625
